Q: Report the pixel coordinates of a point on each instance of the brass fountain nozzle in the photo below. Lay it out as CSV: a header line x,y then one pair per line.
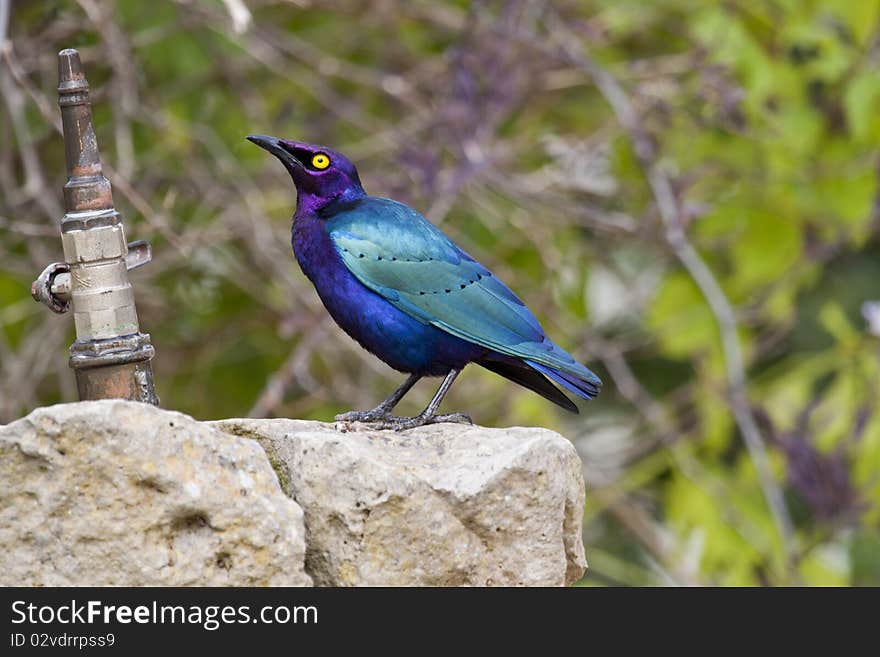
x,y
110,357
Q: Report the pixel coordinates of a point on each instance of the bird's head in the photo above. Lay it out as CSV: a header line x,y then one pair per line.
x,y
319,173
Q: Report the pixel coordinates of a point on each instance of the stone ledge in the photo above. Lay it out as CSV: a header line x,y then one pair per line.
x,y
442,505
121,493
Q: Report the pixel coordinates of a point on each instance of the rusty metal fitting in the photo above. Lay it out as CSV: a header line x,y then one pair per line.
x,y
101,295
86,187
114,368
111,357
52,287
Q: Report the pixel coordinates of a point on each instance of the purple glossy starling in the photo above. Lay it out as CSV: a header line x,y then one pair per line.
x,y
409,295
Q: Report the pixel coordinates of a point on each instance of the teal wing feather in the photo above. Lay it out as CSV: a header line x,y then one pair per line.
x,y
396,252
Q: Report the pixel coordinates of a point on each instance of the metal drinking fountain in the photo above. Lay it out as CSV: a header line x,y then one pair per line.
x,y
110,357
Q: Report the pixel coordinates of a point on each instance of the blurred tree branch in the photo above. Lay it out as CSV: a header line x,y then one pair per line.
x,y
671,214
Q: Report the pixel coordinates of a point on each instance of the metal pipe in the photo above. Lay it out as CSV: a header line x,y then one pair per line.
x,y
110,357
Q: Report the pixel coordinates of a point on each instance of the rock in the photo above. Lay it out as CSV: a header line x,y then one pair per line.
x,y
122,493
441,505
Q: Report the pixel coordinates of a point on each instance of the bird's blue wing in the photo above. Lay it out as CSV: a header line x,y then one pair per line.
x,y
397,253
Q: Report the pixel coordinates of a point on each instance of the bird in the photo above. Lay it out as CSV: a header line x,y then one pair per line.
x,y
409,295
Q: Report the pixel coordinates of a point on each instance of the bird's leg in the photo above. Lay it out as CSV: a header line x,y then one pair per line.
x,y
383,410
429,415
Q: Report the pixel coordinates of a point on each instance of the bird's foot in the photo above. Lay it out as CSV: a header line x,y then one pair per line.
x,y
404,423
375,415
458,418
398,423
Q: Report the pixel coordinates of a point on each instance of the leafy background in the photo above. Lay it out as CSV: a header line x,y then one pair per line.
x,y
685,192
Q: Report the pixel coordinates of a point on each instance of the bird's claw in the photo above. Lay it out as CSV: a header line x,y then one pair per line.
x,y
396,423
460,418
375,415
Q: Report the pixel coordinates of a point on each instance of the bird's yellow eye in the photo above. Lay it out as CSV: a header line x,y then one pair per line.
x,y
320,161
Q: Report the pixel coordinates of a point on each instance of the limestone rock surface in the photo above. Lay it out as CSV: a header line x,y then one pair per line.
x,y
121,493
442,505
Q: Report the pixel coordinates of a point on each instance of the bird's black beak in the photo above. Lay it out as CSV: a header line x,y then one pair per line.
x,y
274,146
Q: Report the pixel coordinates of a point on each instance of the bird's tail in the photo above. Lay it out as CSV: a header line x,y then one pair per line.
x,y
584,384
518,372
